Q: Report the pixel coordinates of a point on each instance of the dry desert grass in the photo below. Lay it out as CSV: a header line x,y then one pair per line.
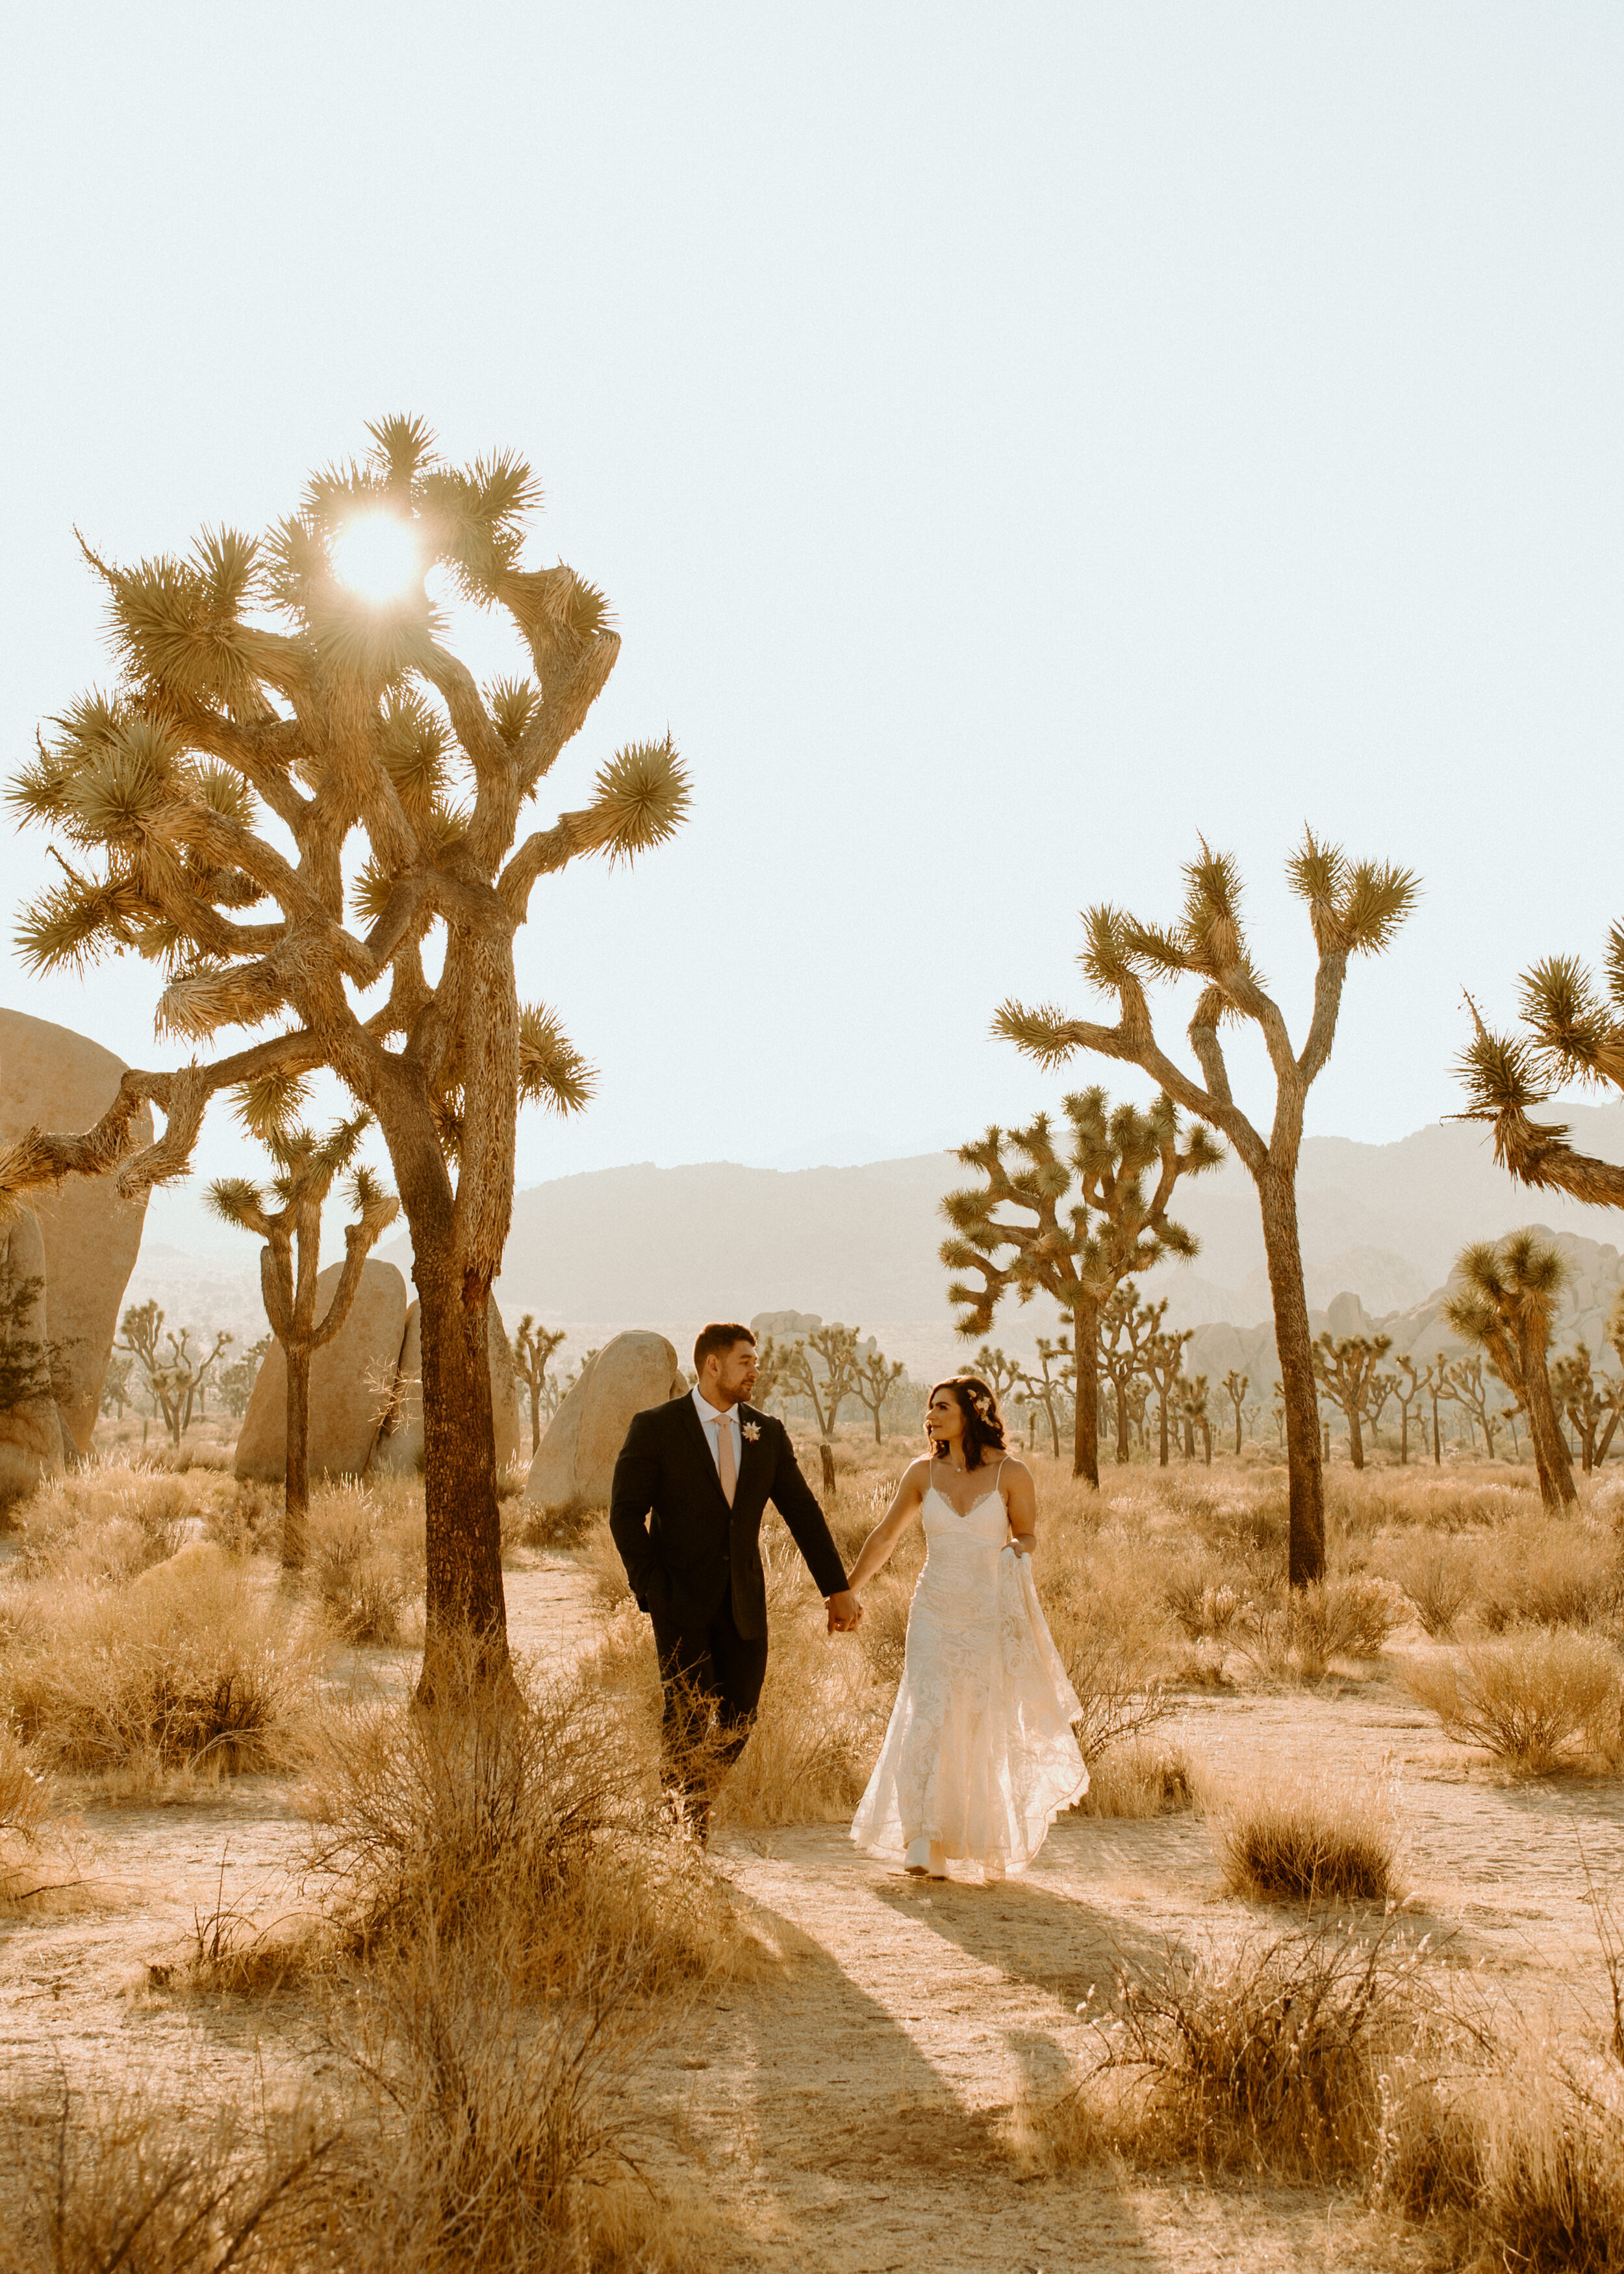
x,y
502,1919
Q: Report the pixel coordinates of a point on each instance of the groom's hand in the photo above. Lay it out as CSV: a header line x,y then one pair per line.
x,y
844,1612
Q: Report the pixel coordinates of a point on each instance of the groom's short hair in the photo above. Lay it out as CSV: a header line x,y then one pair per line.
x,y
715,1341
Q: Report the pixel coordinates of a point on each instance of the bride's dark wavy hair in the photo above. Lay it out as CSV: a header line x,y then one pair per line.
x,y
983,1422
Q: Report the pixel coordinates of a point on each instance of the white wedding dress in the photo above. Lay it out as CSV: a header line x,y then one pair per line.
x,y
980,1756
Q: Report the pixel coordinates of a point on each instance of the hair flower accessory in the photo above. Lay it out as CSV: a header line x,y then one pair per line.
x,y
752,1430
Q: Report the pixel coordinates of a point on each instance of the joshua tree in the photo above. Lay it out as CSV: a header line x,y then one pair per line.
x,y
997,1370
1435,1388
1465,1385
175,1376
1190,1401
1113,1229
1346,1369
872,1384
208,813
1573,1388
825,1391
1162,1365
237,1380
307,1167
1235,1387
1409,1383
1506,1292
1574,1032
1127,1326
115,1383
534,1350
1043,1389
1355,909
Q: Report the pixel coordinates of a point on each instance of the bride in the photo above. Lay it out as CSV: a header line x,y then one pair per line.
x,y
980,1757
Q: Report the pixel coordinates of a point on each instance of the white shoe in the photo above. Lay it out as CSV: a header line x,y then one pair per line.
x,y
916,1862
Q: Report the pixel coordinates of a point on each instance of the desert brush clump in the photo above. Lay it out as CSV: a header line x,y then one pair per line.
x,y
365,1557
1532,1697
1143,1776
534,1804
1268,2058
453,2129
1297,1836
189,1667
1438,1576
105,1523
1552,1574
1293,1637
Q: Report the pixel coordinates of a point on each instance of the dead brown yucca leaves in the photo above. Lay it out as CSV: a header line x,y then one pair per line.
x,y
1285,1837
1531,1698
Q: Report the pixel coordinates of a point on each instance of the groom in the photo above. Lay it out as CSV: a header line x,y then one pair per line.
x,y
690,1486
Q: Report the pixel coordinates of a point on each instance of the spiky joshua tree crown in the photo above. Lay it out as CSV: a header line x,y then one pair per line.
x,y
292,784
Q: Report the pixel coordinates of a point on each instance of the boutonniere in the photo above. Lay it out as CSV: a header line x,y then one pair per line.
x,y
752,1430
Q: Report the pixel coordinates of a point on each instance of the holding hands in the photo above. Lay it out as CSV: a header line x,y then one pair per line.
x,y
845,1613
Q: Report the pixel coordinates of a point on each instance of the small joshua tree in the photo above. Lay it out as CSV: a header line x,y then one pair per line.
x,y
1503,1304
301,805
1573,1387
1114,1228
1235,1387
1044,1389
874,1383
534,1350
307,1167
1190,1405
1408,1386
997,1370
1346,1368
236,1381
1127,1329
1162,1365
1466,1385
176,1375
1354,909
822,1367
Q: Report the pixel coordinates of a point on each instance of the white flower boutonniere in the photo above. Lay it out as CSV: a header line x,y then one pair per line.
x,y
752,1430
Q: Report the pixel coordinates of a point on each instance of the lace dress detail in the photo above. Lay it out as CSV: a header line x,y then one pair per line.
x,y
979,1754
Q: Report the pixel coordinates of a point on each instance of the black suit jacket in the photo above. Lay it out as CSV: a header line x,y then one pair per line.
x,y
682,1546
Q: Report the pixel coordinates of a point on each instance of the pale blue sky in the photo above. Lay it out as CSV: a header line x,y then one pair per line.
x,y
1013,441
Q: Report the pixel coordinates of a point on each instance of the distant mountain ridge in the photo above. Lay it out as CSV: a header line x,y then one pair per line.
x,y
714,1240
670,1248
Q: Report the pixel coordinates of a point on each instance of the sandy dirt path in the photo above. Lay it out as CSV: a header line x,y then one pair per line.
x,y
850,2108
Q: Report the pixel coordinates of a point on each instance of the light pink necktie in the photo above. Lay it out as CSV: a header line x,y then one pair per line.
x,y
729,1466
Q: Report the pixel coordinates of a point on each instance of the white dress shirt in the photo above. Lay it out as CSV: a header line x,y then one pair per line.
x,y
714,1423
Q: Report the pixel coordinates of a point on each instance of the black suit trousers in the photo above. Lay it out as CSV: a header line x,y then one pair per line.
x,y
708,1673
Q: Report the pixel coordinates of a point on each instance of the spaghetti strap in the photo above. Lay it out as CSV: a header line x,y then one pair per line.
x,y
997,1482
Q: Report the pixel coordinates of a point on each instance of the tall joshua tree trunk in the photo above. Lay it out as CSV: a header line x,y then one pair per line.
x,y
463,1526
1086,1367
1294,1346
295,1494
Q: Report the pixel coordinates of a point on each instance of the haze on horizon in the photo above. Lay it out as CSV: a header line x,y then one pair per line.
x,y
1011,446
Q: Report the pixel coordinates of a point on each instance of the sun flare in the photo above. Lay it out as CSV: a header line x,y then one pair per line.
x,y
377,556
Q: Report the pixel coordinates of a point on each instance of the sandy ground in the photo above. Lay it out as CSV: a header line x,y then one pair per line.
x,y
849,2109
